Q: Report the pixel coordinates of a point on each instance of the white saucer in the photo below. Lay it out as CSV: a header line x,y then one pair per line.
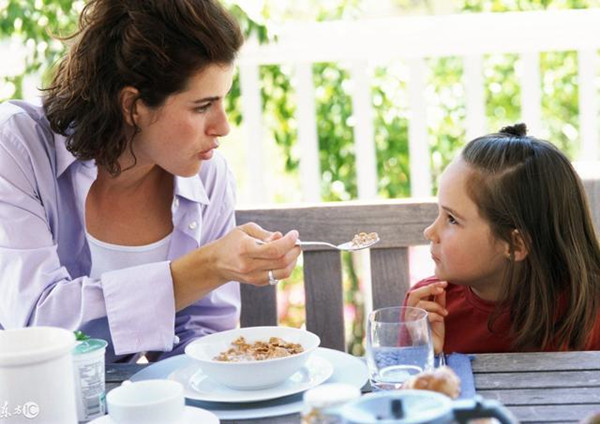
x,y
346,369
191,415
200,387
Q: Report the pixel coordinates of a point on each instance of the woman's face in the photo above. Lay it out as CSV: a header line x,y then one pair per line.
x,y
462,244
185,130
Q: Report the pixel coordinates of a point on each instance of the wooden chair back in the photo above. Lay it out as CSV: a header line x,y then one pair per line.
x,y
399,223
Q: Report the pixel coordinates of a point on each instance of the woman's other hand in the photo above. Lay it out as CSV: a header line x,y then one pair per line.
x,y
432,298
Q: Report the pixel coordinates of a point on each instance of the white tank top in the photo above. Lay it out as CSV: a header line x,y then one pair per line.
x,y
111,257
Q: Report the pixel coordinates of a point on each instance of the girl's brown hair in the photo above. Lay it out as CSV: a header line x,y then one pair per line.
x,y
525,184
154,46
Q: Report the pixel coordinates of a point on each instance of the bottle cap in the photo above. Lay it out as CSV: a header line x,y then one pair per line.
x,y
90,349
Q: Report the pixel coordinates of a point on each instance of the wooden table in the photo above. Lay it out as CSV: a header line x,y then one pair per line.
x,y
537,387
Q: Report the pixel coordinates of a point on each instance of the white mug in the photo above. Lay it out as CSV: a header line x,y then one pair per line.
x,y
36,376
148,401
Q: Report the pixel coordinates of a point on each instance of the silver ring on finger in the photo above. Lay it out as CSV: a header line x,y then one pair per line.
x,y
272,279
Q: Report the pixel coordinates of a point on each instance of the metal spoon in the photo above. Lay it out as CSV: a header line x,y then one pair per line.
x,y
348,246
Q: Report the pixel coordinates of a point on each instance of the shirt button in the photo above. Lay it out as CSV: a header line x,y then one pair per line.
x,y
193,225
176,202
176,340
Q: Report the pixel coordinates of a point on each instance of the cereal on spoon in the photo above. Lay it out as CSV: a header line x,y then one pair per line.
x,y
363,239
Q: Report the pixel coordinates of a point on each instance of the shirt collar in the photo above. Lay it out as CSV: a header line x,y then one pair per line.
x,y
64,158
191,188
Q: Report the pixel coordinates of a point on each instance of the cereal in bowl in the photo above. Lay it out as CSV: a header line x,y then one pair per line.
x,y
241,350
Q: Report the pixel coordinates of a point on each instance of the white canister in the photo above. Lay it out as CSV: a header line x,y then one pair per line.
x,y
88,358
36,376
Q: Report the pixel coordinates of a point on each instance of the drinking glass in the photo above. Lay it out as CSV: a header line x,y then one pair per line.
x,y
399,345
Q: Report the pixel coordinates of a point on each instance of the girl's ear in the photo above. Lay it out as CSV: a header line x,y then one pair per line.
x,y
129,105
520,250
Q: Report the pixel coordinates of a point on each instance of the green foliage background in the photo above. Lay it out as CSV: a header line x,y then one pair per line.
x,y
32,22
35,23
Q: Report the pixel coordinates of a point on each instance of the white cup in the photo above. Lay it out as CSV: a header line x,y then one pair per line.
x,y
148,401
36,376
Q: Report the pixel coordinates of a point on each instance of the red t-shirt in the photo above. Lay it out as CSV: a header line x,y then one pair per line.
x,y
467,323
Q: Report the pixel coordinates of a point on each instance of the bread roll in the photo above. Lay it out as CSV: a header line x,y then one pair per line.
x,y
442,380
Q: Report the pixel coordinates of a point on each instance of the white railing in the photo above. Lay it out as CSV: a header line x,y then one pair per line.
x,y
360,44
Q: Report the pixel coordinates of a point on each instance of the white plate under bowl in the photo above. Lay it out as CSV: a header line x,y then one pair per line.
x,y
191,415
200,387
346,369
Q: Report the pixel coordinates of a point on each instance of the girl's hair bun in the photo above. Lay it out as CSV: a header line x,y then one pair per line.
x,y
519,130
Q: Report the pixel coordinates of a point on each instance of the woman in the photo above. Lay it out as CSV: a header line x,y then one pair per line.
x,y
117,213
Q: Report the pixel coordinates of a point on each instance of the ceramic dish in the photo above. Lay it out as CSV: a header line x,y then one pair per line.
x,y
239,368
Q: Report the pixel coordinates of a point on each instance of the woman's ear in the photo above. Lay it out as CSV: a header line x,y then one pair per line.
x,y
520,250
129,105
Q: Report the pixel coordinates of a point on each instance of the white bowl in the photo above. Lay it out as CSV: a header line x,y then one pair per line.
x,y
251,375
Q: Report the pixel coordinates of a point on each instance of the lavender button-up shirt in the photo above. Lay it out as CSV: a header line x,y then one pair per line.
x,y
45,259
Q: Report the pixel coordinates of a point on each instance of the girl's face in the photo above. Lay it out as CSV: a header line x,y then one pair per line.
x,y
183,132
462,245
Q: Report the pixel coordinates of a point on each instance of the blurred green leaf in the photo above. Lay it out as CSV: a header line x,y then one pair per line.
x,y
80,336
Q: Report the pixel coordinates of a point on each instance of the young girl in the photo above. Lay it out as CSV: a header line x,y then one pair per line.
x,y
517,261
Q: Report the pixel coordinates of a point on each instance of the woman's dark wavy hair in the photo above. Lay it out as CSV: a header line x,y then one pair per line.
x,y
526,184
154,46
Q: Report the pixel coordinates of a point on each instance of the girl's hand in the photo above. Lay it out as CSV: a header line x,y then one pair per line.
x,y
432,298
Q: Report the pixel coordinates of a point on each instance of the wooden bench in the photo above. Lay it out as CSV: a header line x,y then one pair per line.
x,y
399,223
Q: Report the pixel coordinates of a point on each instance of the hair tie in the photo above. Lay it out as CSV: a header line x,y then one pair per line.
x,y
518,130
